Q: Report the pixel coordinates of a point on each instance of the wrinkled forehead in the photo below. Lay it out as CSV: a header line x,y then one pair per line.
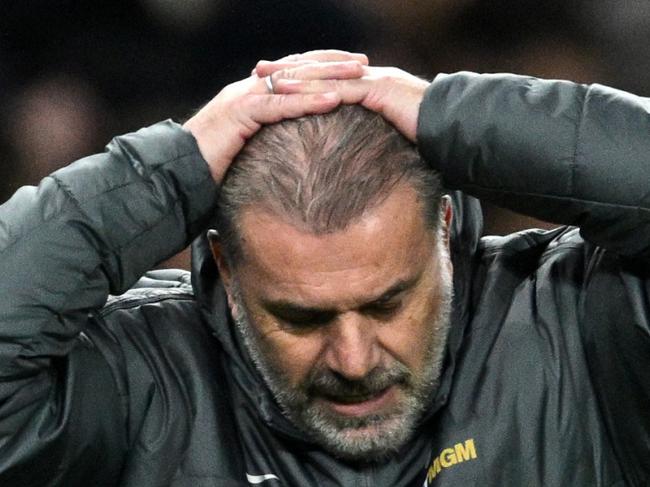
x,y
388,243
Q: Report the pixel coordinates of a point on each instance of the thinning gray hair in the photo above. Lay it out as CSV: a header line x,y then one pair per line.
x,y
321,172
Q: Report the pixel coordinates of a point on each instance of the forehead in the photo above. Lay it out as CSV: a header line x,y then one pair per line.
x,y
388,243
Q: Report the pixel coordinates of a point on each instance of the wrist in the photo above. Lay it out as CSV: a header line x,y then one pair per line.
x,y
205,141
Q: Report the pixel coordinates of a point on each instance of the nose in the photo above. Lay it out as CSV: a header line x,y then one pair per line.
x,y
352,348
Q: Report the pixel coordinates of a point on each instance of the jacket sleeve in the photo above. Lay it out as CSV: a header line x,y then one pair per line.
x,y
90,229
579,155
563,152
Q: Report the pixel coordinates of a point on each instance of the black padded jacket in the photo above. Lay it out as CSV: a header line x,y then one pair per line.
x,y
105,382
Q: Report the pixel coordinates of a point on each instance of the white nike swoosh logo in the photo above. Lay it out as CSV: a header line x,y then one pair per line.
x,y
258,479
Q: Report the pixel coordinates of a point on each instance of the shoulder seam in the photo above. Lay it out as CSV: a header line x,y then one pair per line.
x,y
129,302
492,250
578,131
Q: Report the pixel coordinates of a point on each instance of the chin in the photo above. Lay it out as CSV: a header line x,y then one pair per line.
x,y
368,439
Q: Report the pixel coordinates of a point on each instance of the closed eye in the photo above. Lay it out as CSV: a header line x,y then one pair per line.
x,y
382,310
304,319
383,307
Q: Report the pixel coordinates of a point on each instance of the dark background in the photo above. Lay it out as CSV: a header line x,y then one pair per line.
x,y
75,73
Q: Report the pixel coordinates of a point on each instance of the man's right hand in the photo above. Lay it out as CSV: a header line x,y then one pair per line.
x,y
222,127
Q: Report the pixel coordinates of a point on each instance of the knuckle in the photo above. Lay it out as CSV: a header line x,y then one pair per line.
x,y
289,73
395,73
389,76
278,100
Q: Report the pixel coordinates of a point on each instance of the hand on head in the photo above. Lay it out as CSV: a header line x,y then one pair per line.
x,y
301,84
393,93
264,68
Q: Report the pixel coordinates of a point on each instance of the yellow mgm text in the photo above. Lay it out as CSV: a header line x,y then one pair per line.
x,y
461,452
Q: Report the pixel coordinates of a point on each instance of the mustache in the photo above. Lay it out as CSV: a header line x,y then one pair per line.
x,y
331,385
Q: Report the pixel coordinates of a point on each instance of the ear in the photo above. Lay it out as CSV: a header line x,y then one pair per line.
x,y
225,271
446,218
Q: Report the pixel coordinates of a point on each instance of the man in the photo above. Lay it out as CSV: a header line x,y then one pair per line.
x,y
348,334
347,363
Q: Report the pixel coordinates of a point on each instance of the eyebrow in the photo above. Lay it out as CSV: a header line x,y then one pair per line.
x,y
284,308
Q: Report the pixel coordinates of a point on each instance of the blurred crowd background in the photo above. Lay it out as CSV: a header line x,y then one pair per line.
x,y
73,73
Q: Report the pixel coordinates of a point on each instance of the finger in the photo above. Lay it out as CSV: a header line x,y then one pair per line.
x,y
321,55
326,70
265,109
312,69
350,91
264,68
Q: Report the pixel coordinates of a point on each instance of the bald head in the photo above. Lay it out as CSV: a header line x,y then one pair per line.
x,y
322,172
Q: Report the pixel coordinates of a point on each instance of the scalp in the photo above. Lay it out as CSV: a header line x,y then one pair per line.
x,y
322,172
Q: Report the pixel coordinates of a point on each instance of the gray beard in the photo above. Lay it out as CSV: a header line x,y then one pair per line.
x,y
364,439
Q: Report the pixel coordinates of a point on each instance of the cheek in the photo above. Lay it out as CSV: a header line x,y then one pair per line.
x,y
405,340
295,355
409,338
